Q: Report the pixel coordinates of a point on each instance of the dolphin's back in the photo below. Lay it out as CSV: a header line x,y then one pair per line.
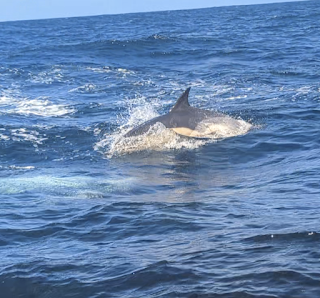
x,y
190,121
144,127
189,117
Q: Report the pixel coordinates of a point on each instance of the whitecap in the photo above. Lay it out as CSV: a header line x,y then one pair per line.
x,y
124,70
4,137
40,106
237,97
99,69
107,69
47,77
219,90
14,167
84,88
304,89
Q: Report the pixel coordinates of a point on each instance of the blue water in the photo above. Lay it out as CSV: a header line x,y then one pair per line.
x,y
233,217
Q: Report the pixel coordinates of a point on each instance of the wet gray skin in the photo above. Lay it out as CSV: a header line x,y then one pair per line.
x,y
182,118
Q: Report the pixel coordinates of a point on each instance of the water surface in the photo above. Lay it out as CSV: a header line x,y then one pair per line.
x,y
237,217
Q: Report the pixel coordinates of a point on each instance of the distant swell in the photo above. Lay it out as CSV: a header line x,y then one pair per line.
x,y
309,236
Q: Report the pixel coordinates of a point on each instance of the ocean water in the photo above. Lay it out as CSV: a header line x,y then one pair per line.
x,y
81,216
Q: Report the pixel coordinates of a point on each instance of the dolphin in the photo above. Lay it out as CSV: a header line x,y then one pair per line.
x,y
193,122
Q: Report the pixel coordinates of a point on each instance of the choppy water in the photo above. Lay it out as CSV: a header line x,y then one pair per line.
x,y
237,217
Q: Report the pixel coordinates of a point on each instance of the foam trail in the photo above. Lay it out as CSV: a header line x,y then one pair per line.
x,y
67,186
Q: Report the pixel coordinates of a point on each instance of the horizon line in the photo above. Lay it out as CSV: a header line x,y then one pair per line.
x,y
152,11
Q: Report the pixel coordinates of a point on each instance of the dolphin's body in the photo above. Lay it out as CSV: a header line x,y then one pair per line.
x,y
192,122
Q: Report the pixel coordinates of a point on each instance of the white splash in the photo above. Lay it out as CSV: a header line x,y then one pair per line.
x,y
159,138
223,127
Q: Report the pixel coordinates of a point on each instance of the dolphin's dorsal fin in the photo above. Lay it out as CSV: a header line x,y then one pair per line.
x,y
182,102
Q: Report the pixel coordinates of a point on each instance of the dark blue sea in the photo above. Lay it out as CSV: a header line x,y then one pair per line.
x,y
81,216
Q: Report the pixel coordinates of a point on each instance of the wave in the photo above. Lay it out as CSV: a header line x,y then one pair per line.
x,y
96,45
160,278
304,236
22,135
156,37
48,76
